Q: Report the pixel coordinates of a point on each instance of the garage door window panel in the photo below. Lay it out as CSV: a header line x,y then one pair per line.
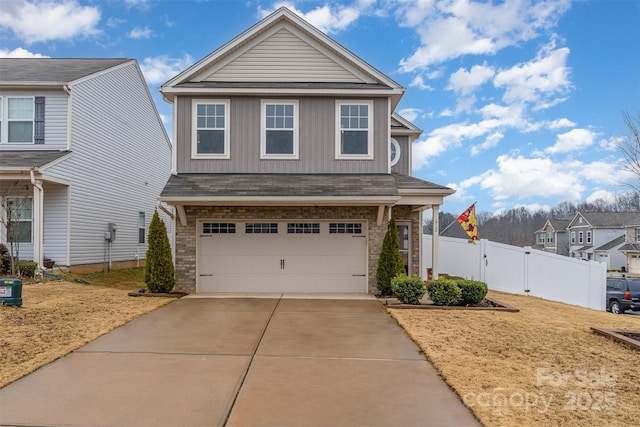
x,y
218,228
261,228
303,228
345,228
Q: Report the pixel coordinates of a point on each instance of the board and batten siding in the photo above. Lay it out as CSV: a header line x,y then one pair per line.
x,y
55,120
283,57
121,160
56,224
317,139
403,166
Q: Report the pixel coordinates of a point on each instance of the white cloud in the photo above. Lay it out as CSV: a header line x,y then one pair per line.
x,y
328,19
561,123
418,82
37,21
490,142
465,82
611,144
537,80
140,33
574,140
159,69
410,113
19,53
607,196
522,177
450,29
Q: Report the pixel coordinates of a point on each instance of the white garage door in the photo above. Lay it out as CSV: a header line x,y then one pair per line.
x,y
277,256
634,264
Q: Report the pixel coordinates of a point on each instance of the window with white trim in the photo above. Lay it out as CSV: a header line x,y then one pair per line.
x,y
279,138
394,152
549,237
218,228
210,129
637,234
19,120
540,238
573,237
354,125
142,231
580,237
19,219
588,236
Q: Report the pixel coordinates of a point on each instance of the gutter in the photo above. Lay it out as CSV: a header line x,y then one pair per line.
x,y
39,248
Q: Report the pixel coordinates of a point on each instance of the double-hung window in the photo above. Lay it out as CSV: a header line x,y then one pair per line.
x,y
279,138
142,231
19,219
19,120
211,129
354,125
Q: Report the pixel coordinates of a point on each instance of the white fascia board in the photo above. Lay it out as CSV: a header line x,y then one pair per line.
x,y
279,91
280,201
29,85
426,192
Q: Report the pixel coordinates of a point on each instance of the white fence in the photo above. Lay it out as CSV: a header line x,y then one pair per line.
x,y
522,271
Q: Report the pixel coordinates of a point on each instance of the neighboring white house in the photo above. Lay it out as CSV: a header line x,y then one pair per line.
x,y
82,152
597,236
288,158
631,247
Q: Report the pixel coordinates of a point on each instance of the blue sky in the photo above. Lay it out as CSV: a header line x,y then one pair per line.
x,y
521,102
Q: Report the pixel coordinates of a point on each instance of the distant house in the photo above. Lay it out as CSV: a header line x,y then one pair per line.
x,y
83,152
288,160
592,233
631,247
553,237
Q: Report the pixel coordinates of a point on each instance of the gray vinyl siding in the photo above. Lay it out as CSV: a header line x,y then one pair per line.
x,y
55,121
317,138
120,162
284,57
403,165
56,224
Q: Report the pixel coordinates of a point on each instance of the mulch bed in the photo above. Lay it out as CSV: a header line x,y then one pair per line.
x,y
486,304
628,337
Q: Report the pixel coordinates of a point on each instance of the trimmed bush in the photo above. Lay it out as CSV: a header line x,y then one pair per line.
x,y
409,290
5,260
27,268
444,292
390,263
158,267
472,291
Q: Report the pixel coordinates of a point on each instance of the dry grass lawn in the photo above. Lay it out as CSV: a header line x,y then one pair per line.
x,y
58,317
539,367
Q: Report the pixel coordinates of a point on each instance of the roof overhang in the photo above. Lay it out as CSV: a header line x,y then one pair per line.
x,y
280,201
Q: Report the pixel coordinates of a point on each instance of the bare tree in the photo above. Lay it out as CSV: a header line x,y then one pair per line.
x,y
10,218
629,146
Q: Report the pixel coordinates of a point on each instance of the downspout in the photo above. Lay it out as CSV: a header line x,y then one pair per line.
x,y
38,248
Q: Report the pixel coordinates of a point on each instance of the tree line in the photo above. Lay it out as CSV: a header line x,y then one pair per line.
x,y
517,226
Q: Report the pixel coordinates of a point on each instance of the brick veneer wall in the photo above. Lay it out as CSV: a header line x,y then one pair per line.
x,y
186,235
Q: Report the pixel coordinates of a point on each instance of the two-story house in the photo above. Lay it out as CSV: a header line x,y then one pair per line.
x,y
597,236
553,237
631,247
83,152
288,160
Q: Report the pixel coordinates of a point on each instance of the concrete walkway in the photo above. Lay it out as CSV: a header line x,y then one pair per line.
x,y
242,362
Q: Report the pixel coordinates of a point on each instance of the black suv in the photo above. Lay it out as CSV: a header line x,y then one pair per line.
x,y
623,295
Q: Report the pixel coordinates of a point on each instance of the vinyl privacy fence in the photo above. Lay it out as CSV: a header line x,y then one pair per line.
x,y
523,271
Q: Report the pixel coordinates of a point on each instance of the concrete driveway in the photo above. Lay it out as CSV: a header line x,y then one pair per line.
x,y
242,362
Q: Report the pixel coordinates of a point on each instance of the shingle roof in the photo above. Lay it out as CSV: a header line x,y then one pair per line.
x,y
630,247
406,182
280,185
291,185
611,245
53,70
611,219
28,159
559,224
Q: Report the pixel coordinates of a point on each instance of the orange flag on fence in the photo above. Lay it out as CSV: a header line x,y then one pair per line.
x,y
467,220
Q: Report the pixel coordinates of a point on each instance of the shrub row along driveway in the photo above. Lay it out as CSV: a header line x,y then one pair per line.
x,y
242,362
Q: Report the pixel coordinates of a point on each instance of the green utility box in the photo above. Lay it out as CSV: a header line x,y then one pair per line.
x,y
11,292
